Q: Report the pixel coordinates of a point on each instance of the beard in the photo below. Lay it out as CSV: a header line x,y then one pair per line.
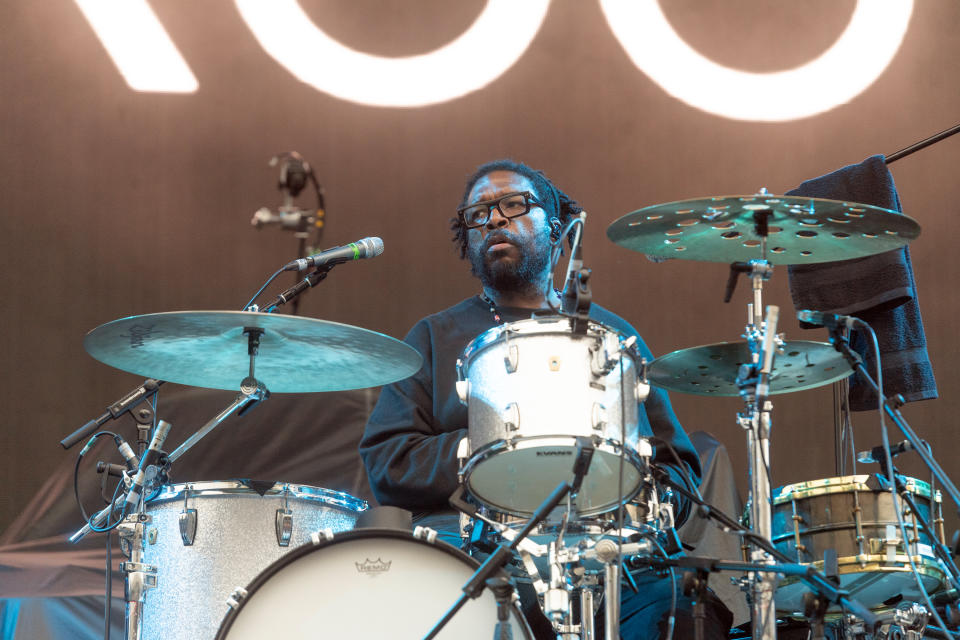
x,y
507,275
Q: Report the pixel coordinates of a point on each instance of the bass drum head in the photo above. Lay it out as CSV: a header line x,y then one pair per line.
x,y
366,583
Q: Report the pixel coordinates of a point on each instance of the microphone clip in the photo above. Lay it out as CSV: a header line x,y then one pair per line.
x,y
577,299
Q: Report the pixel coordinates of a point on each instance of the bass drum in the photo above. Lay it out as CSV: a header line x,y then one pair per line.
x,y
365,583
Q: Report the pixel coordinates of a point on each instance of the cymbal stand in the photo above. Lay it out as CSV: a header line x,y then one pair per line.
x,y
252,392
753,379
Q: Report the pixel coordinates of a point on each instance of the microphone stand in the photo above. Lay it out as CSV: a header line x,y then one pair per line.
x,y
892,409
311,279
502,587
495,563
943,554
809,575
916,146
147,390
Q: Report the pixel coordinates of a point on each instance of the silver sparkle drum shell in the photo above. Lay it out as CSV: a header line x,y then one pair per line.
x,y
235,538
366,584
531,388
850,515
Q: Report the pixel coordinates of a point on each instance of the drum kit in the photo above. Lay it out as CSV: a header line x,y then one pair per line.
x,y
292,562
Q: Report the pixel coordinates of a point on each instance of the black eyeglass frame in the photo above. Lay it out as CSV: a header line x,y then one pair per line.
x,y
529,200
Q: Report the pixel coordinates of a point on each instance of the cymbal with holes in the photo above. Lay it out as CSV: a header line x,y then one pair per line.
x,y
801,230
210,349
711,370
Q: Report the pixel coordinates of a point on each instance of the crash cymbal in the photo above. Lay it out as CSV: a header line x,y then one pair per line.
x,y
801,230
711,370
209,349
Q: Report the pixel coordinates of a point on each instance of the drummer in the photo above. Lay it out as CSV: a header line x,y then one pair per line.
x,y
508,216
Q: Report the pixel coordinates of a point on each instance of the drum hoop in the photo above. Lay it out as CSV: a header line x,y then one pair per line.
x,y
873,563
544,325
236,487
492,448
607,445
353,534
839,484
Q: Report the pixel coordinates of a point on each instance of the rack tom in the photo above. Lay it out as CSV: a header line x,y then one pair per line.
x,y
531,388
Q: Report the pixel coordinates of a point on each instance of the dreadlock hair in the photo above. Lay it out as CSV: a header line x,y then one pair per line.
x,y
558,204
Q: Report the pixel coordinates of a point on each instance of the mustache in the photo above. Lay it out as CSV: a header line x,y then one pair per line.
x,y
498,236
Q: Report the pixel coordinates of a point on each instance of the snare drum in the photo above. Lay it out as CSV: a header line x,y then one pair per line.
x,y
366,583
531,387
852,516
208,538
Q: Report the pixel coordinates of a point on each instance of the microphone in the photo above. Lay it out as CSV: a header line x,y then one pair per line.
x,y
128,455
149,458
291,220
876,454
828,320
359,250
582,463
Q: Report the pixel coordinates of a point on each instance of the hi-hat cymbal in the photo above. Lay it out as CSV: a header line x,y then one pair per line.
x,y
209,349
711,370
801,230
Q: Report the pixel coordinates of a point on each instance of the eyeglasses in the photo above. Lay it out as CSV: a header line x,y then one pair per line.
x,y
511,205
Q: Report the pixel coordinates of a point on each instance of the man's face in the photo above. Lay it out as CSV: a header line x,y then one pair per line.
x,y
508,254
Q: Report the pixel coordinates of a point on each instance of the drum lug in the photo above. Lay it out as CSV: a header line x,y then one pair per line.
x,y
463,450
598,416
463,391
425,533
284,524
644,448
642,390
888,546
511,417
188,526
604,355
512,360
238,596
319,537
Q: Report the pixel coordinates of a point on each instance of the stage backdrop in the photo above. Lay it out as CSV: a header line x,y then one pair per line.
x,y
135,152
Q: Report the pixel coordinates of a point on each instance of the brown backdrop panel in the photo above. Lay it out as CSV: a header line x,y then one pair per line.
x,y
119,203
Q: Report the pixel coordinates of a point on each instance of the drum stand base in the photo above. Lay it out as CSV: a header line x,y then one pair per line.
x,y
140,577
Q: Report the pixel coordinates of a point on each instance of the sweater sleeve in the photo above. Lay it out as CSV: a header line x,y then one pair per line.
x,y
411,460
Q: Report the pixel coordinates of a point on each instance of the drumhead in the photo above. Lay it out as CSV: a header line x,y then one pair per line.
x,y
365,583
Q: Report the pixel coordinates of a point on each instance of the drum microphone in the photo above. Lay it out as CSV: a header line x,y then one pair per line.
x,y
359,250
149,458
129,457
876,454
828,320
581,464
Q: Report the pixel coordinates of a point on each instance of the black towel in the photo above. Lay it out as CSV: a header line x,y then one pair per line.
x,y
878,289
